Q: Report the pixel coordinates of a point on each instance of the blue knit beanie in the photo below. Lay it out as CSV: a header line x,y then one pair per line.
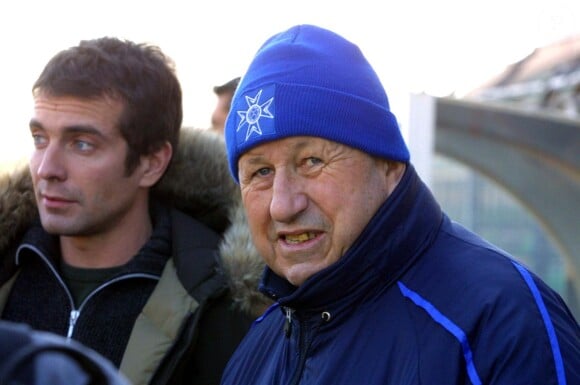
x,y
308,81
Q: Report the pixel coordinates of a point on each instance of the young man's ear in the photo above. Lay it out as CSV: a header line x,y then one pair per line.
x,y
153,165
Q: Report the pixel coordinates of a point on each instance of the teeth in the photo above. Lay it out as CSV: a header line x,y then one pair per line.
x,y
299,237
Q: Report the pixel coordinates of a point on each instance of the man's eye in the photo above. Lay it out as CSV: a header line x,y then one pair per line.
x,y
38,140
313,161
263,171
82,145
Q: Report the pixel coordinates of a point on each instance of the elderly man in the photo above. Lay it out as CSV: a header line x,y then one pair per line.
x,y
373,283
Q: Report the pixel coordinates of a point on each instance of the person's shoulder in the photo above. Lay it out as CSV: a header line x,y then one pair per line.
x,y
198,181
458,248
192,231
476,276
31,357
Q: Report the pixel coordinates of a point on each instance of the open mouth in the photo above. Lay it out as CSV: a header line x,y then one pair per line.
x,y
299,238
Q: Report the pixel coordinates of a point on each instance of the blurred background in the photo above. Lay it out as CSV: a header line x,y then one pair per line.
x,y
486,92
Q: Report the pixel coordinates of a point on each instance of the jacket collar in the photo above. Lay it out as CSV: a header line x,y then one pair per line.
x,y
150,259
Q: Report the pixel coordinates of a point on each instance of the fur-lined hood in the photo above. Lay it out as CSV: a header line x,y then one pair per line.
x,y
198,183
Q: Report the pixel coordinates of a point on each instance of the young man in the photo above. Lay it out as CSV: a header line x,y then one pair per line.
x,y
373,283
99,256
224,94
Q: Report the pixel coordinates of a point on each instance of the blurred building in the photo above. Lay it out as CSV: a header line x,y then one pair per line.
x,y
548,80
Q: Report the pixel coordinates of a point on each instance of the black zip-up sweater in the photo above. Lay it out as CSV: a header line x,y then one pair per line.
x,y
44,302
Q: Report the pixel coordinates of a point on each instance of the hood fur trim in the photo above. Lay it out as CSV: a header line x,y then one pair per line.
x,y
242,264
17,205
197,182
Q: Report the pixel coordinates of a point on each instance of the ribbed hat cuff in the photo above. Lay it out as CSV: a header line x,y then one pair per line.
x,y
321,112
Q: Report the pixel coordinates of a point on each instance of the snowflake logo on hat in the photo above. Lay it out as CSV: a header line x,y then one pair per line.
x,y
254,113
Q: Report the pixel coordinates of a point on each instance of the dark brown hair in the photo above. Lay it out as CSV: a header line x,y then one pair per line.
x,y
139,75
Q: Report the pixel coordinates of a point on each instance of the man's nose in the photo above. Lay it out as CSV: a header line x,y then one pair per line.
x,y
49,163
288,197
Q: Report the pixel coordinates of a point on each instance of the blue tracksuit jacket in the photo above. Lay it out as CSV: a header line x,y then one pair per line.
x,y
417,299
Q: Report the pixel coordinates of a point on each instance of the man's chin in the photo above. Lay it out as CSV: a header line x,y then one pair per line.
x,y
59,228
297,275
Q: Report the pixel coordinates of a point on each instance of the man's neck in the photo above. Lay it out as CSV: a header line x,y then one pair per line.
x,y
114,247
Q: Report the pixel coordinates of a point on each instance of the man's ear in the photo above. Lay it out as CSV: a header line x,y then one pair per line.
x,y
394,172
153,165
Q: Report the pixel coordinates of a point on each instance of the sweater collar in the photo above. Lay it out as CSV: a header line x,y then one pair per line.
x,y
151,257
393,240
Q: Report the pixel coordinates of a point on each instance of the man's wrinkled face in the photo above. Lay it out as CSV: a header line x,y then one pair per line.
x,y
307,200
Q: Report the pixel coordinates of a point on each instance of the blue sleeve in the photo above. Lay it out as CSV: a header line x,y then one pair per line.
x,y
533,340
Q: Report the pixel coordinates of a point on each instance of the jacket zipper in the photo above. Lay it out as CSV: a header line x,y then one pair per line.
x,y
72,320
305,336
304,341
75,313
288,322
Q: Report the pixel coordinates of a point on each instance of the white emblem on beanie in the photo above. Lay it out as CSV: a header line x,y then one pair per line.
x,y
254,113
